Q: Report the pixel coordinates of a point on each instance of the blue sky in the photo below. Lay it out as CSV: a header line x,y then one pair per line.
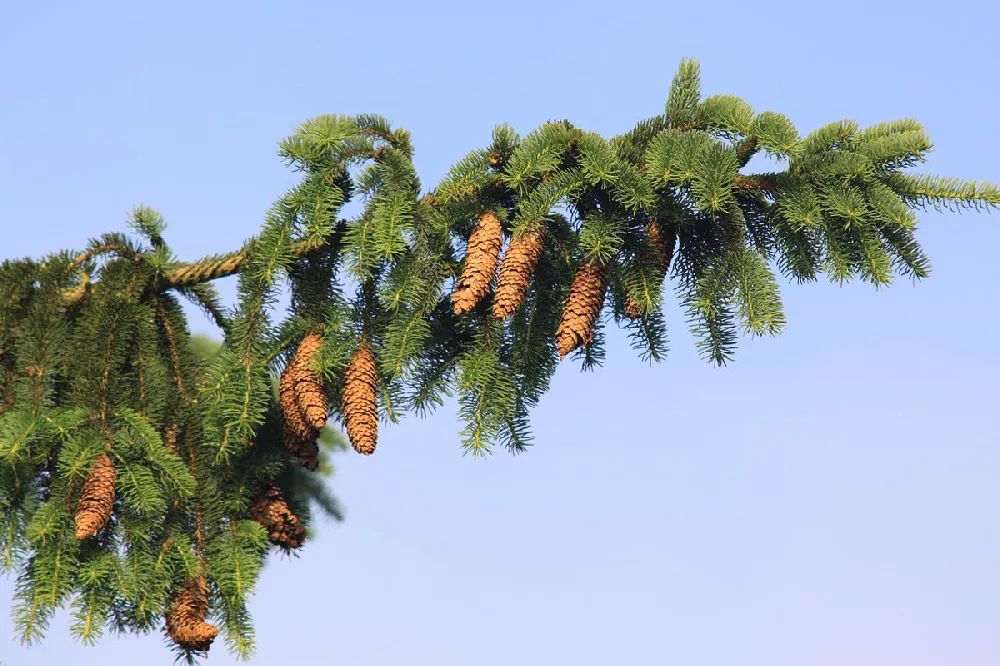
x,y
829,499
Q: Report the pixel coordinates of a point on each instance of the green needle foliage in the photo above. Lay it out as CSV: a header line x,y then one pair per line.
x,y
96,357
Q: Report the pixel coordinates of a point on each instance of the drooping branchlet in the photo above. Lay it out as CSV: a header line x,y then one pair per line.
x,y
660,243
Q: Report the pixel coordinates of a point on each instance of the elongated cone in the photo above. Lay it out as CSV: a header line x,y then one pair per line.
x,y
309,387
300,435
662,244
97,498
186,624
361,402
586,297
291,413
516,269
283,527
481,258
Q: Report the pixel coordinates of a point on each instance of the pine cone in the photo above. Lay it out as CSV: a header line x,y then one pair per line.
x,y
661,243
186,624
586,298
295,421
300,435
360,401
97,498
634,309
271,510
310,389
481,258
305,449
302,392
516,269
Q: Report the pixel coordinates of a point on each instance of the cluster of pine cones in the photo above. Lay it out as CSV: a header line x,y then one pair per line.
x,y
304,401
185,621
304,408
586,294
305,405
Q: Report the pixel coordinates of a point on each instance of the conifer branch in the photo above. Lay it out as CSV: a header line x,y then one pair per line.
x,y
190,274
180,468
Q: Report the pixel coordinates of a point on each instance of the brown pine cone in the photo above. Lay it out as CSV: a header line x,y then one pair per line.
x,y
97,498
481,258
586,298
661,244
186,624
310,389
292,416
516,269
283,527
299,434
634,309
360,401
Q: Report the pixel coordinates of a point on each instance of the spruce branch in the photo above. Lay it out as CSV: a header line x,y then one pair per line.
x,y
182,465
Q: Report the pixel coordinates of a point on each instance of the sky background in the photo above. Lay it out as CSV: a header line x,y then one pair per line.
x,y
831,498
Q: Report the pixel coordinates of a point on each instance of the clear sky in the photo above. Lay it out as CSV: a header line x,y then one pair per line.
x,y
832,498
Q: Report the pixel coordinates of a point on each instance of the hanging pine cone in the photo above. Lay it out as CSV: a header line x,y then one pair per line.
x,y
186,624
634,309
586,297
97,498
481,258
294,420
516,269
360,401
300,435
661,243
310,389
271,510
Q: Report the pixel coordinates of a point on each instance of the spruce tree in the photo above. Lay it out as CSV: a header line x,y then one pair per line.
x,y
145,478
